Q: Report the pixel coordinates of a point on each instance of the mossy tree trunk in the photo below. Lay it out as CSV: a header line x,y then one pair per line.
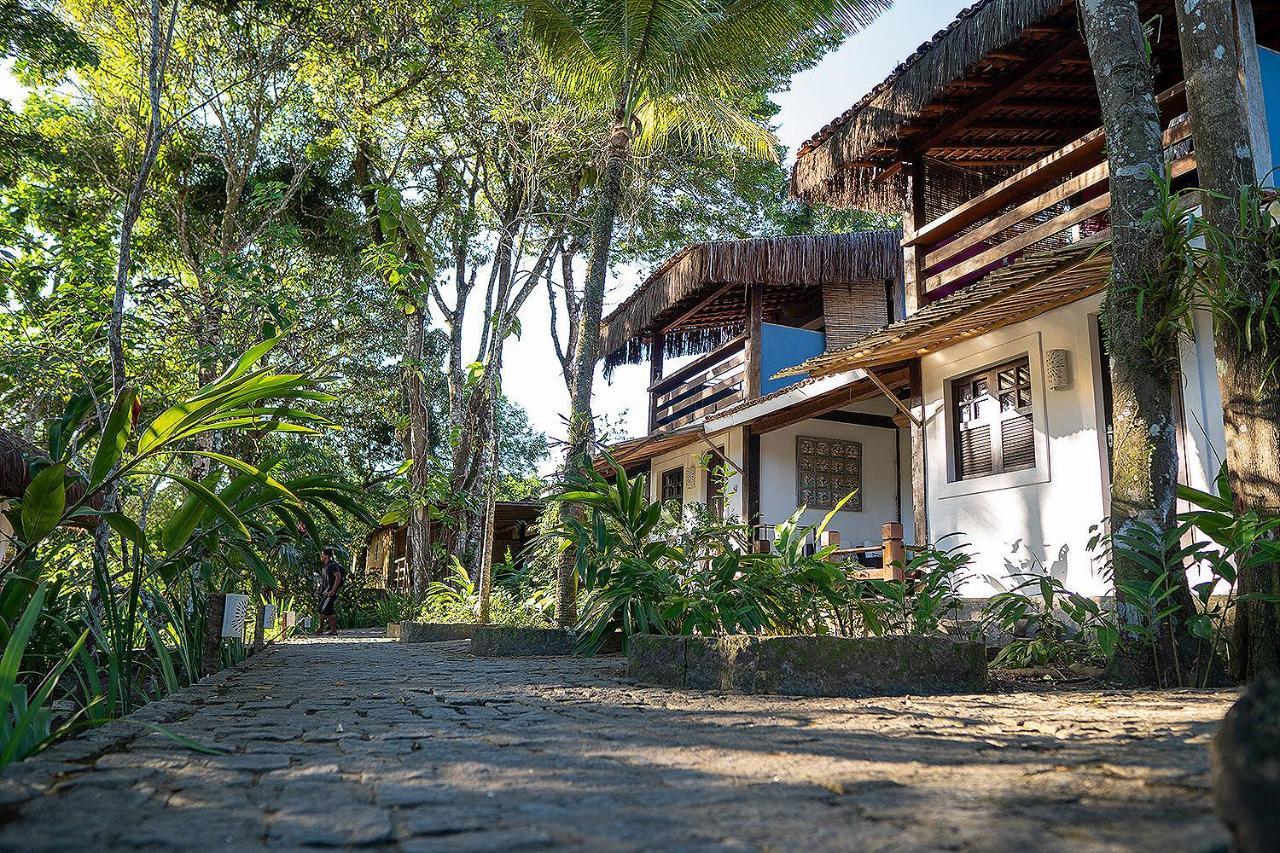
x,y
1144,364
1208,32
587,353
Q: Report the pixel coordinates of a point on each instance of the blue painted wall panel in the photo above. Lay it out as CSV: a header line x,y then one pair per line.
x,y
1270,62
782,347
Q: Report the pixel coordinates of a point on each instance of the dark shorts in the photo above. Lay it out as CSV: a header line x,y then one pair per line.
x,y
326,605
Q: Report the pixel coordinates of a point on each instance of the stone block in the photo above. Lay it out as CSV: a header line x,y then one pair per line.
x,y
434,632
496,641
812,666
393,630
657,659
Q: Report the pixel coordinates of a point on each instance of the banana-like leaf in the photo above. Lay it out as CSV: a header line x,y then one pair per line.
x,y
210,500
246,362
127,528
43,502
114,438
245,468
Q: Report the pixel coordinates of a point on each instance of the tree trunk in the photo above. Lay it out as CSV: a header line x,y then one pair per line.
x,y
486,544
1225,164
1144,367
587,352
417,448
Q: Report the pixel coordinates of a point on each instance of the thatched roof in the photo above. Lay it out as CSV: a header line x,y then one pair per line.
x,y
784,265
16,456
1007,82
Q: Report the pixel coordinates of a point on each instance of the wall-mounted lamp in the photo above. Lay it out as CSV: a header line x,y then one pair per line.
x,y
1057,369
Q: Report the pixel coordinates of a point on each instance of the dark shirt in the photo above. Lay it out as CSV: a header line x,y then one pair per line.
x,y
328,571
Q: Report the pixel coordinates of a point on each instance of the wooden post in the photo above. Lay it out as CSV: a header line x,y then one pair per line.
x,y
657,344
893,552
913,220
210,651
755,316
919,458
829,538
752,478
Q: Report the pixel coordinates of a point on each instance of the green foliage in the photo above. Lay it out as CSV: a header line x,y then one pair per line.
x,y
1051,625
647,568
919,602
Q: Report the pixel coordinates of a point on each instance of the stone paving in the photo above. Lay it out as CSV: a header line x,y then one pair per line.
x,y
358,742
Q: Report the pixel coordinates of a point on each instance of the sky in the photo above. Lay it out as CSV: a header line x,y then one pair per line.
x,y
531,375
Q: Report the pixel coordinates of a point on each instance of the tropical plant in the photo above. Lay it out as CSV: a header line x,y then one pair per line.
x,y
1050,624
128,621
653,568
919,602
26,722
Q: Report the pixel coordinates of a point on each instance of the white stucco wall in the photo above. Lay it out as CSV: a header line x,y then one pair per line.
x,y
691,458
1017,520
879,475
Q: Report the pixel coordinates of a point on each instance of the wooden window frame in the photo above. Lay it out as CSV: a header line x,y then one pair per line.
x,y
662,484
968,409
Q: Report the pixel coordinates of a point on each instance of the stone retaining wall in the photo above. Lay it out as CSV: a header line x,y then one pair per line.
x,y
496,641
434,632
811,666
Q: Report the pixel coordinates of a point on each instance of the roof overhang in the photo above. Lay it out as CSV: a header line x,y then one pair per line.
x,y
1028,287
697,298
1005,83
637,451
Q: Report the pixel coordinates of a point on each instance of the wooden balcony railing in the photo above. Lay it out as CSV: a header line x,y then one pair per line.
x,y
713,382
1059,199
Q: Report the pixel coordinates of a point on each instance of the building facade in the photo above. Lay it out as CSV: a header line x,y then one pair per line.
x,y
953,375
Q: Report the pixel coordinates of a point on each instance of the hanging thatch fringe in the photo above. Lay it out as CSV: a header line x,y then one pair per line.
x,y
773,261
832,167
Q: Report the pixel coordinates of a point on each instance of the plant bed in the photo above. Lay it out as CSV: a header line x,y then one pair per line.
x,y
498,641
434,632
811,666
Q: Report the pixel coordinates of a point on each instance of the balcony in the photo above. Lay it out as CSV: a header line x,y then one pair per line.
x,y
708,384
1058,200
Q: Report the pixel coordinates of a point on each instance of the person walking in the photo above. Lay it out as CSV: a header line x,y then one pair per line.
x,y
332,576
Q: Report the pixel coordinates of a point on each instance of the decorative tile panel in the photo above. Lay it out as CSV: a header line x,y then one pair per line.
x,y
827,469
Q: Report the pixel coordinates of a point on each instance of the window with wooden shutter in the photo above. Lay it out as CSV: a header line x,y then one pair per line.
x,y
673,485
991,412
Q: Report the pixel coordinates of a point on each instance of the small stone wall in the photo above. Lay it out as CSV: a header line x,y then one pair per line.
x,y
497,641
434,632
811,666
393,630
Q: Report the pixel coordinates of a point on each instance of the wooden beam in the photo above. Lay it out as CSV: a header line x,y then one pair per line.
x,y
919,469
657,344
975,108
751,442
893,398
913,255
702,303
864,419
755,308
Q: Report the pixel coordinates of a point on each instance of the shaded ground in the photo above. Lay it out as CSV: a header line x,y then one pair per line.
x,y
355,741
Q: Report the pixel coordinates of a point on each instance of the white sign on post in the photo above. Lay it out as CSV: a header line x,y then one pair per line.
x,y
235,615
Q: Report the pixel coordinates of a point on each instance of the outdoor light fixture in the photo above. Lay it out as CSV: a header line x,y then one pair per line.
x,y
234,615
1057,369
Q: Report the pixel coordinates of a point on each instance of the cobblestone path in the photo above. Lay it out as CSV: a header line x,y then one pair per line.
x,y
357,742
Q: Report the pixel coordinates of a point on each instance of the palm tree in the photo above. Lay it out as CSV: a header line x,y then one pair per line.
x,y
664,71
